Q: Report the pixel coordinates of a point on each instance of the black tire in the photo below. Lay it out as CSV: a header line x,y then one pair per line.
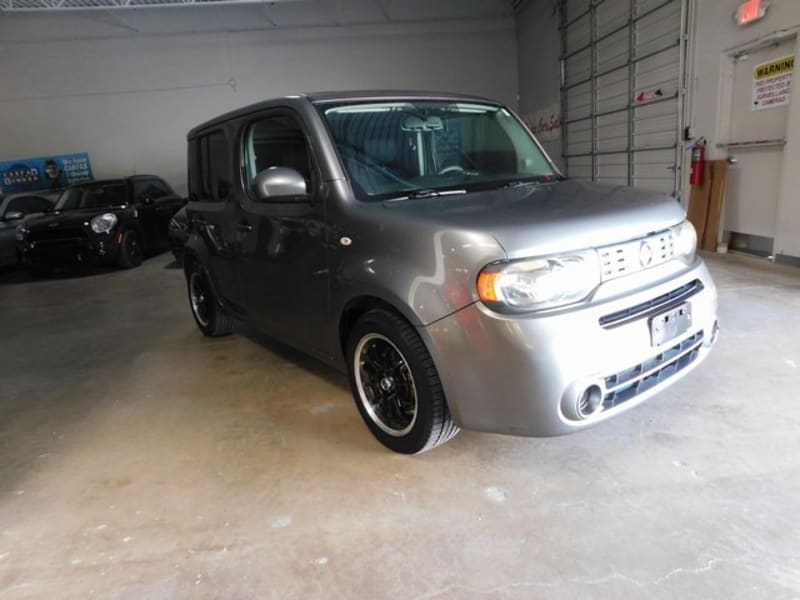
x,y
130,250
395,384
211,318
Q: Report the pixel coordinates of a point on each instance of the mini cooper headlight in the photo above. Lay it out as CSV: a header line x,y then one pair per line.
x,y
104,223
539,283
685,241
21,233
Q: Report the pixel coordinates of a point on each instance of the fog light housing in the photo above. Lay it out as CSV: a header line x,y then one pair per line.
x,y
590,402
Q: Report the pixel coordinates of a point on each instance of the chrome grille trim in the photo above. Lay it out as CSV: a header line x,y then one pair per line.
x,y
628,384
652,307
623,259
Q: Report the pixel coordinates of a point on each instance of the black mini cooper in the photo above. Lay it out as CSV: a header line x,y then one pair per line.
x,y
112,222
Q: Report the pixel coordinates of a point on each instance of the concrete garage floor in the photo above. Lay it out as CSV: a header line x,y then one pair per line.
x,y
141,460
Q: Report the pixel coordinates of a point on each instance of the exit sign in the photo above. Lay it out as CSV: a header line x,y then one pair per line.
x,y
751,11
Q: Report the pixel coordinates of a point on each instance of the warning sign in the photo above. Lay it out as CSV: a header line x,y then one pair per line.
x,y
772,83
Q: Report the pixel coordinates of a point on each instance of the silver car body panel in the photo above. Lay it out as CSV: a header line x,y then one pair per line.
x,y
528,370
516,374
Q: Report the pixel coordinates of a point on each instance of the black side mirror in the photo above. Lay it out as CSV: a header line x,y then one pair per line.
x,y
13,215
279,183
147,201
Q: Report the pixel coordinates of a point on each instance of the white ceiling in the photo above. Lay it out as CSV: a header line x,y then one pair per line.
x,y
44,18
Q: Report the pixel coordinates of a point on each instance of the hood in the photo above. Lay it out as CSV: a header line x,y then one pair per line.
x,y
68,218
550,218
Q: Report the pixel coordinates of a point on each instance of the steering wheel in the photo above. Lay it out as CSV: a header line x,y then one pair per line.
x,y
452,169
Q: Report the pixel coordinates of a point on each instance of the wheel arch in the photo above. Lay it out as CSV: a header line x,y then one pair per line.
x,y
356,307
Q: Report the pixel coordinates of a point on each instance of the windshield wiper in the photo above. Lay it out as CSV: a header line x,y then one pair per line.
x,y
419,194
518,183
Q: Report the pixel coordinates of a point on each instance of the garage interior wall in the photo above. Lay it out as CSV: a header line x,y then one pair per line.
x,y
715,36
91,83
538,51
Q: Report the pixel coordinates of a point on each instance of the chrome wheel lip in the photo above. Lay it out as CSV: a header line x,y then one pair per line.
x,y
198,298
368,405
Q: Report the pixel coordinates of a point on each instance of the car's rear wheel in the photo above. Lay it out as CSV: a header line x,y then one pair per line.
x,y
395,384
211,318
130,250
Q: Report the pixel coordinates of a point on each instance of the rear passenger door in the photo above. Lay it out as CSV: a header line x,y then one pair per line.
x,y
284,256
214,214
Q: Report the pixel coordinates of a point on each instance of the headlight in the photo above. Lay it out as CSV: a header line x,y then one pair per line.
x,y
104,223
21,232
685,241
538,283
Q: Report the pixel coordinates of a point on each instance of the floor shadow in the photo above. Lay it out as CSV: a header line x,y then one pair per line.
x,y
174,265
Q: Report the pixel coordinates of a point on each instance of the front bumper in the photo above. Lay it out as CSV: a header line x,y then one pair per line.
x,y
525,375
94,250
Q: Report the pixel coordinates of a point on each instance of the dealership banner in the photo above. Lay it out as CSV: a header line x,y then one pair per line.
x,y
44,174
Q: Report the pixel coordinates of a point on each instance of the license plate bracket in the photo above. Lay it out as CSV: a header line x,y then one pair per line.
x,y
670,324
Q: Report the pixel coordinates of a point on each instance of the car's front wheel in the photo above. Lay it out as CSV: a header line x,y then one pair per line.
x,y
395,384
130,250
211,318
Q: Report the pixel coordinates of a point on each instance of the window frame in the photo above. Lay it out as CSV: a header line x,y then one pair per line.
x,y
243,134
204,192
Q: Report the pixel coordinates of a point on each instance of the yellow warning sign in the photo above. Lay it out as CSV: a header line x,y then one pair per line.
x,y
772,83
776,67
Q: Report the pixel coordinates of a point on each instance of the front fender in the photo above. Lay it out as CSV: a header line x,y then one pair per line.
x,y
426,273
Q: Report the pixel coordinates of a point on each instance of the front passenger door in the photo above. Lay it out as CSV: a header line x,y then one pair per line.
x,y
284,257
158,202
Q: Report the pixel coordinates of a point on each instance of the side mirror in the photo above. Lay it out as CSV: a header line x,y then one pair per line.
x,y
279,183
147,201
13,215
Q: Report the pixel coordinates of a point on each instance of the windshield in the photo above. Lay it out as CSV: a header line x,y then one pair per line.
x,y
101,195
399,149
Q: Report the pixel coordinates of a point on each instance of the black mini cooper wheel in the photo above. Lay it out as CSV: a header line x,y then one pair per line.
x,y
395,384
130,250
210,317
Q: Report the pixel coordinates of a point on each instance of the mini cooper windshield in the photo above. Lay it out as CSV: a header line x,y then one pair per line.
x,y
410,149
102,195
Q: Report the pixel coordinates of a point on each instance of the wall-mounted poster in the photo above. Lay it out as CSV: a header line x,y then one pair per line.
x,y
44,174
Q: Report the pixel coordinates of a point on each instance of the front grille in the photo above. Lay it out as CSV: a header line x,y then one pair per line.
x,y
625,385
56,236
636,255
652,307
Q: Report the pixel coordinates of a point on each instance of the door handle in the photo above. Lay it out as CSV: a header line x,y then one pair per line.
x,y
244,227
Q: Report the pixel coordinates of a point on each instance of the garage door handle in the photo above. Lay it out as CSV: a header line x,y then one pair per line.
x,y
244,227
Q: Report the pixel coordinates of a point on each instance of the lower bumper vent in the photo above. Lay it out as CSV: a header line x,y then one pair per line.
x,y
628,384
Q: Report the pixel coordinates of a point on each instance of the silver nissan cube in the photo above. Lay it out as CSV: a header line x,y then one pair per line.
x,y
427,246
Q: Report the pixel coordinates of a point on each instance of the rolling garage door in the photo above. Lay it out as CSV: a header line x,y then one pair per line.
x,y
623,91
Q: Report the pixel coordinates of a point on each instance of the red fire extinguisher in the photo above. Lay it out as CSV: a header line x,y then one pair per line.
x,y
698,162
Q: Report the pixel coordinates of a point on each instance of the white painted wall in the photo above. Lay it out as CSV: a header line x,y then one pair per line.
x,y
538,50
715,35
129,98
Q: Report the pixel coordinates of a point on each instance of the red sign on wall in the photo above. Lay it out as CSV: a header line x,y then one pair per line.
x,y
750,11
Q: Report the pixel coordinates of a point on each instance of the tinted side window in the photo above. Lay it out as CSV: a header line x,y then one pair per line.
x,y
276,142
27,205
150,188
213,167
